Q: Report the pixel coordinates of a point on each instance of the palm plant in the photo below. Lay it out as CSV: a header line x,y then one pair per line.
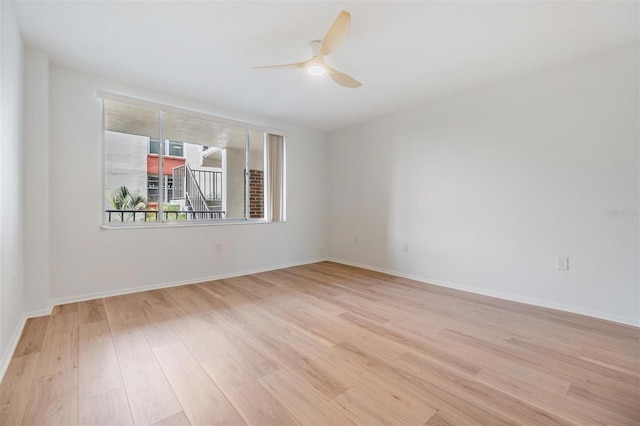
x,y
123,199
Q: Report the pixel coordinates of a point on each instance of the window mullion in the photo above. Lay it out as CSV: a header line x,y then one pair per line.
x,y
160,166
247,135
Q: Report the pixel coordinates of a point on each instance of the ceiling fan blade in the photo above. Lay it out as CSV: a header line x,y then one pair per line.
x,y
342,79
294,65
336,34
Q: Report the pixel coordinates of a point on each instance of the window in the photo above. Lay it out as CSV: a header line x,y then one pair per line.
x,y
172,148
154,146
168,165
153,188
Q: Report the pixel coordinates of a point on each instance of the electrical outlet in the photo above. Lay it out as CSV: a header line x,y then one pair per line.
x,y
562,263
219,247
405,246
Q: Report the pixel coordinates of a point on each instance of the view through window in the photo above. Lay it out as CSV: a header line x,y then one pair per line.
x,y
167,167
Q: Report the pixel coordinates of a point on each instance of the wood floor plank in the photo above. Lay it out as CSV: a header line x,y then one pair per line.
x,y
98,367
250,399
54,399
257,363
150,396
580,413
15,388
363,410
479,393
193,332
91,311
202,401
32,336
304,401
198,299
370,343
179,419
612,360
546,359
161,302
312,322
246,311
526,379
110,408
317,375
64,309
415,342
60,346
152,321
120,313
615,401
377,381
358,306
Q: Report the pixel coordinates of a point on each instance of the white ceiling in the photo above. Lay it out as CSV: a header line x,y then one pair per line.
x,y
404,53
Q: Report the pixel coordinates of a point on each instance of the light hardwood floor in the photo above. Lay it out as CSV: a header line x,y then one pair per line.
x,y
321,344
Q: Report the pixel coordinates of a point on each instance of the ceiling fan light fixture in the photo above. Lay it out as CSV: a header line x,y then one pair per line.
x,y
316,69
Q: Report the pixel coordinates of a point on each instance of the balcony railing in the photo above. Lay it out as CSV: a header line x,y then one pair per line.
x,y
152,215
209,183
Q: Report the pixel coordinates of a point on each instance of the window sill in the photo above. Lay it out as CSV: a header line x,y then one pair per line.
x,y
191,223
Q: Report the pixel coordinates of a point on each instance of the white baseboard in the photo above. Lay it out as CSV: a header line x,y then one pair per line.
x,y
8,353
13,343
635,322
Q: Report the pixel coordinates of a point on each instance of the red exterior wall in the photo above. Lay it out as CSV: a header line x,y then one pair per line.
x,y
168,164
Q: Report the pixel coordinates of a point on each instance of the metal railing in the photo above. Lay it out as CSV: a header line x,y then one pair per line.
x,y
152,215
195,197
179,180
209,183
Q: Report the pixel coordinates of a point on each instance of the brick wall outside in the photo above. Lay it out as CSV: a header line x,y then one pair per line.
x,y
256,194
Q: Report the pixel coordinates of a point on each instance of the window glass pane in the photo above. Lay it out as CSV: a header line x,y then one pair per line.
x,y
154,146
193,130
129,177
153,188
130,119
176,149
208,180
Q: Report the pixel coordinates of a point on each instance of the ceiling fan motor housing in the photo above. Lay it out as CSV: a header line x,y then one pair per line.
x,y
315,47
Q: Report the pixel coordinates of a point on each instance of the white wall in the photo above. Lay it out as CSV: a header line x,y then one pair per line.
x,y
86,260
488,187
11,224
36,179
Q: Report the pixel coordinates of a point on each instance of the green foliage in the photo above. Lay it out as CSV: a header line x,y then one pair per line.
x,y
151,215
174,208
123,199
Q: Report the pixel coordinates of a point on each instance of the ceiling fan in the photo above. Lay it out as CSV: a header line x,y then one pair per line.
x,y
321,48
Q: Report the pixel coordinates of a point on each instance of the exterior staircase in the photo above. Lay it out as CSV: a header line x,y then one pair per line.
x,y
201,190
